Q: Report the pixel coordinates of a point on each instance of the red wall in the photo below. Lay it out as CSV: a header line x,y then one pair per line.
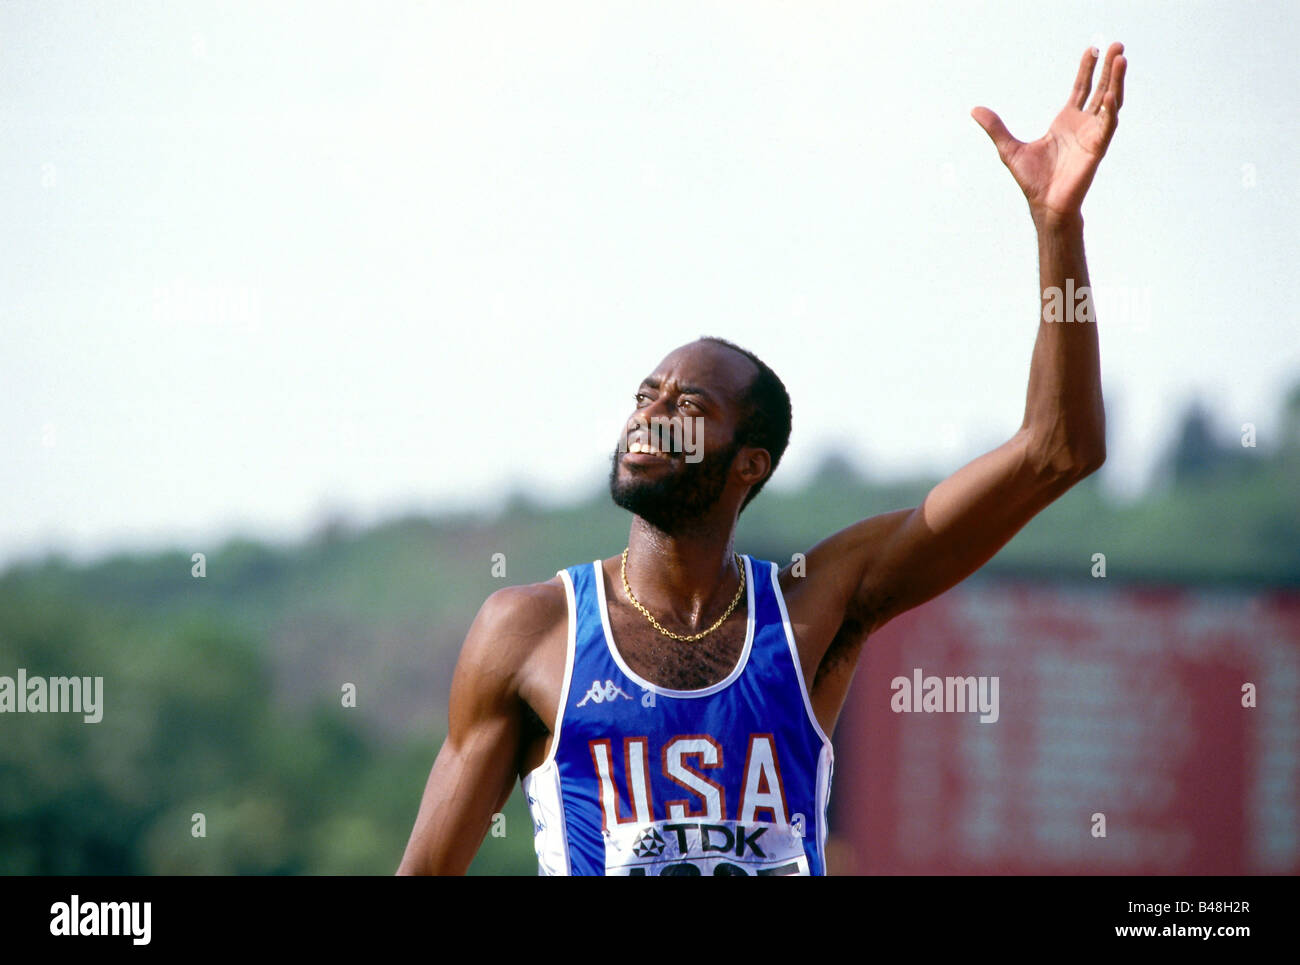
x,y
1126,702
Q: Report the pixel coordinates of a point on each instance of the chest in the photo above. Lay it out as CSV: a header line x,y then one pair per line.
x,y
677,664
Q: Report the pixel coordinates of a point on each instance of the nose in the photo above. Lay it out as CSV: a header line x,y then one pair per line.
x,y
658,424
662,411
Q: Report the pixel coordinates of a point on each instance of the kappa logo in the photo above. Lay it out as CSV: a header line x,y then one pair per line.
x,y
600,694
538,823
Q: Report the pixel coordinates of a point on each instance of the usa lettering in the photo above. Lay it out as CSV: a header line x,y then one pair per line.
x,y
692,762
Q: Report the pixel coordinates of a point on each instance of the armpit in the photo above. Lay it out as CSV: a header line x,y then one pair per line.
x,y
844,648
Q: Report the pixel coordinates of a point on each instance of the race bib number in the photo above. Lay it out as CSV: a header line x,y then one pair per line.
x,y
687,847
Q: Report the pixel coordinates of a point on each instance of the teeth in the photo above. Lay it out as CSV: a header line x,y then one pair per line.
x,y
644,449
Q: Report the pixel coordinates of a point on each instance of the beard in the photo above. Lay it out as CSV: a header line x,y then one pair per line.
x,y
678,498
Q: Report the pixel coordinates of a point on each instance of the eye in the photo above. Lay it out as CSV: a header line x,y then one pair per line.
x,y
638,398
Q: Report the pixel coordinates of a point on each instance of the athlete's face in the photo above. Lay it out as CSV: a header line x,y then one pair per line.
x,y
675,456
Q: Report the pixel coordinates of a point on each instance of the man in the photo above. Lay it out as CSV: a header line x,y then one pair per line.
x,y
667,709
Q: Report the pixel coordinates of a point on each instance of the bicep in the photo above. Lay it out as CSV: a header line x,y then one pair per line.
x,y
959,526
899,560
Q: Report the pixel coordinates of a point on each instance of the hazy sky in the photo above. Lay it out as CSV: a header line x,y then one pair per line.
x,y
263,260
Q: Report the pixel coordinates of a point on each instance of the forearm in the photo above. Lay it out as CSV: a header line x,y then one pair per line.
x,y
1064,416
465,788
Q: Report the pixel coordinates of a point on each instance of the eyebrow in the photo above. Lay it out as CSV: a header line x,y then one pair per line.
x,y
654,383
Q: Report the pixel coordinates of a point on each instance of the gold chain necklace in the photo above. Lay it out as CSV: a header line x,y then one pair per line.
x,y
677,636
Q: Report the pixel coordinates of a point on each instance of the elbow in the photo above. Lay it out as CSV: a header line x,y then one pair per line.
x,y
1065,462
1087,460
1095,461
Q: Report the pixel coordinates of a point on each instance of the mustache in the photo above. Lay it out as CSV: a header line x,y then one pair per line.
x,y
681,437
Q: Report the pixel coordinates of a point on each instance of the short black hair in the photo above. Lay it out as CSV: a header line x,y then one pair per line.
x,y
767,416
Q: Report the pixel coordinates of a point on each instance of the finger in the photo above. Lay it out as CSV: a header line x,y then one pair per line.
x,y
1113,51
1117,80
1083,79
1108,116
996,130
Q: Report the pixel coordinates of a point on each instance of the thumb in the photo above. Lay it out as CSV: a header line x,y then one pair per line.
x,y
995,129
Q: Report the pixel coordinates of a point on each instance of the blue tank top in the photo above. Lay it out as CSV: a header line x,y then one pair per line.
x,y
732,779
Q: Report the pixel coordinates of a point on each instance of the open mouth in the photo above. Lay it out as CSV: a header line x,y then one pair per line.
x,y
644,453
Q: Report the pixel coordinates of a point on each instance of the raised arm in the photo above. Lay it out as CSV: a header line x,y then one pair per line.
x,y
475,770
890,563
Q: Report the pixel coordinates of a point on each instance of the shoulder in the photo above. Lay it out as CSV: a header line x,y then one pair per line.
x,y
527,608
824,587
512,625
832,572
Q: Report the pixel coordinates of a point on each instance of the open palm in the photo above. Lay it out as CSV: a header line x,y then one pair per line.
x,y
1055,171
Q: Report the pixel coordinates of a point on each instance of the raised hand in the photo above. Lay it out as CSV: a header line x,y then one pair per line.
x,y
1056,170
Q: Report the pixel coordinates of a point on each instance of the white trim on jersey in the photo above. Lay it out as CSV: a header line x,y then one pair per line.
x,y
570,658
546,806
825,760
644,684
825,768
794,654
542,783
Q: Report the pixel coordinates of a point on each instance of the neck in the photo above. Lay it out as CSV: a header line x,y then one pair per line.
x,y
682,575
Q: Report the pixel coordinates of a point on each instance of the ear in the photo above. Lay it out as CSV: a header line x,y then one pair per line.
x,y
752,465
